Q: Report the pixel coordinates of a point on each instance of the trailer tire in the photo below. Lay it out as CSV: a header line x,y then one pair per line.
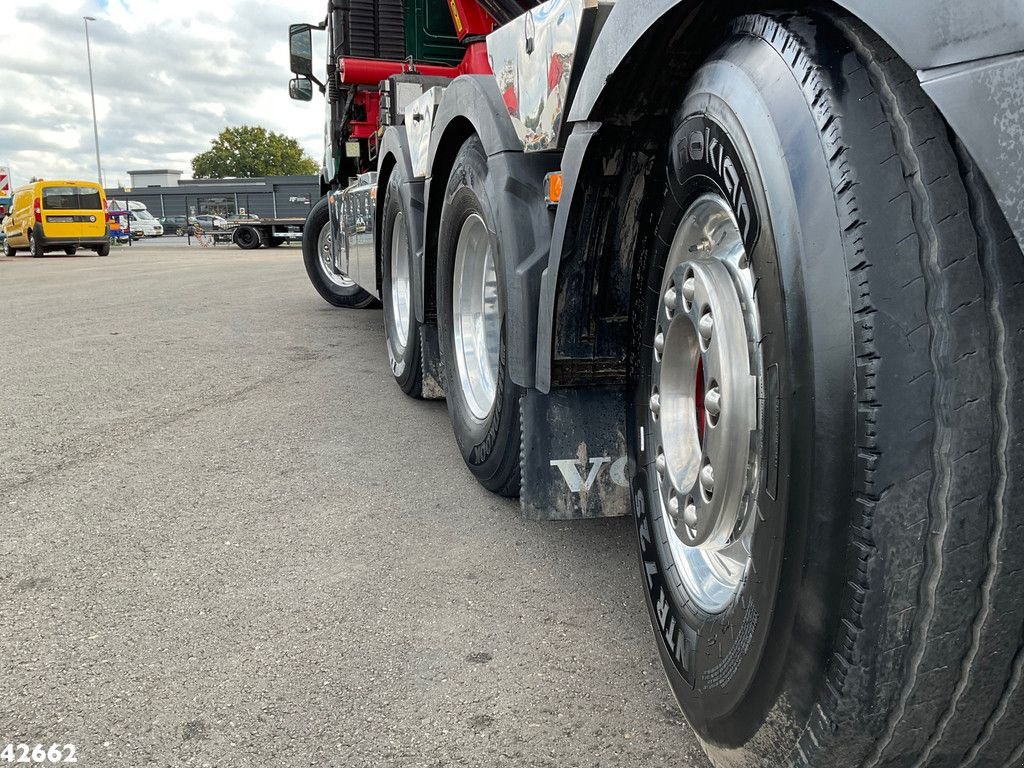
x,y
488,437
864,310
401,330
335,289
247,238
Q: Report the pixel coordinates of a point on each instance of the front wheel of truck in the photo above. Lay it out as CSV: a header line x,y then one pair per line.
x,y
335,287
826,418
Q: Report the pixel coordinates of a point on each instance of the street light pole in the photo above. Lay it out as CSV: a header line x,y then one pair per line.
x,y
92,95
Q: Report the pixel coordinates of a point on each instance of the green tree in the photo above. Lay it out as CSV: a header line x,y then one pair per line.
x,y
249,150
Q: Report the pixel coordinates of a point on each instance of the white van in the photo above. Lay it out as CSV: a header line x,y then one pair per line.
x,y
143,223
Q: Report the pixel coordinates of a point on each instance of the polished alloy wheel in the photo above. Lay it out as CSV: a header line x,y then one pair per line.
x,y
706,380
326,262
476,316
401,285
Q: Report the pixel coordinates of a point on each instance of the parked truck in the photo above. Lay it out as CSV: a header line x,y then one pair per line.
x,y
751,276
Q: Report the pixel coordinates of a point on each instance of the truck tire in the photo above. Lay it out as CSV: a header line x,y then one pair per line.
x,y
8,250
274,242
401,331
247,238
70,250
827,416
103,249
335,288
483,401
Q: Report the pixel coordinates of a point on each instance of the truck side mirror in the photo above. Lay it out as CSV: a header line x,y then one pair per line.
x,y
300,89
300,48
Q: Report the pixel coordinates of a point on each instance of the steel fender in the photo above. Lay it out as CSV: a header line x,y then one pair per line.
x,y
572,162
515,182
939,33
395,147
475,98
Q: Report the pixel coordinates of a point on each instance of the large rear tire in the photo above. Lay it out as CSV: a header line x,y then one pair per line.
x,y
483,401
247,238
827,416
401,331
335,288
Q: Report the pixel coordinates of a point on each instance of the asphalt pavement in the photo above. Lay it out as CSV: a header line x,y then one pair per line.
x,y
229,540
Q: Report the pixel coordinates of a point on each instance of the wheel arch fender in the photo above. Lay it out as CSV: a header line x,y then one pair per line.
x,y
471,104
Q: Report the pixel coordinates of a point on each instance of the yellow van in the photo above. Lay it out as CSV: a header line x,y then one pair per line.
x,y
57,216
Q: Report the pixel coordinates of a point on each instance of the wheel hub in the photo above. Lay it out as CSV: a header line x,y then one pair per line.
x,y
323,247
476,317
401,285
704,402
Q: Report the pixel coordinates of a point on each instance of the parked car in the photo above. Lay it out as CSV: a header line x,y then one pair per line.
x,y
207,221
57,215
174,225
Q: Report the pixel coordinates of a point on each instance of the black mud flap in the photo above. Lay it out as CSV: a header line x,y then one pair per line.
x,y
574,454
430,359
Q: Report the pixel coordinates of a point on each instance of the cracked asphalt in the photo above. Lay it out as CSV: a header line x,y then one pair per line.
x,y
229,540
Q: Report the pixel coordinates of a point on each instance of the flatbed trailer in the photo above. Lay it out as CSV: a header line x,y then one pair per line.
x,y
751,277
266,233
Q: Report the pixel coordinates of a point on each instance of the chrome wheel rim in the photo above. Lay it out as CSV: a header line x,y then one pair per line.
x,y
703,408
401,285
476,317
326,260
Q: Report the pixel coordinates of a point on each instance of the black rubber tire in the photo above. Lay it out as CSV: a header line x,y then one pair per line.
x,y
179,232
406,363
103,250
70,250
490,448
35,247
353,296
247,238
8,250
274,242
881,622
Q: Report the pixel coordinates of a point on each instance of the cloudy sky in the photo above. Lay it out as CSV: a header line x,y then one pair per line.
x,y
169,77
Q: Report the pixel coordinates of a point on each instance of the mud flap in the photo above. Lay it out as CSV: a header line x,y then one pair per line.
x,y
574,454
430,359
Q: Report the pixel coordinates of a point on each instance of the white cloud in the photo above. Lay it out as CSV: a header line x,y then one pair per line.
x,y
168,78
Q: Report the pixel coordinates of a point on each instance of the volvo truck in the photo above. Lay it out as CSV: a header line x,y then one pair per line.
x,y
750,274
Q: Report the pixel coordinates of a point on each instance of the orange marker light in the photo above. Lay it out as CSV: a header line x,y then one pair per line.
x,y
553,188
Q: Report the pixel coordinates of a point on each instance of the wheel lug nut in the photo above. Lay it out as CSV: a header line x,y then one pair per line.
x,y
707,478
670,299
660,464
713,402
656,404
689,287
690,515
706,325
673,507
659,343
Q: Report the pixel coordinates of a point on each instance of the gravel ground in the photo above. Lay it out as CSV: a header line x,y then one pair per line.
x,y
229,540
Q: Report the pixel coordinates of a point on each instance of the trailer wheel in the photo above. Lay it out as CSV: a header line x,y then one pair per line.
x,y
827,412
483,401
401,331
336,288
247,238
